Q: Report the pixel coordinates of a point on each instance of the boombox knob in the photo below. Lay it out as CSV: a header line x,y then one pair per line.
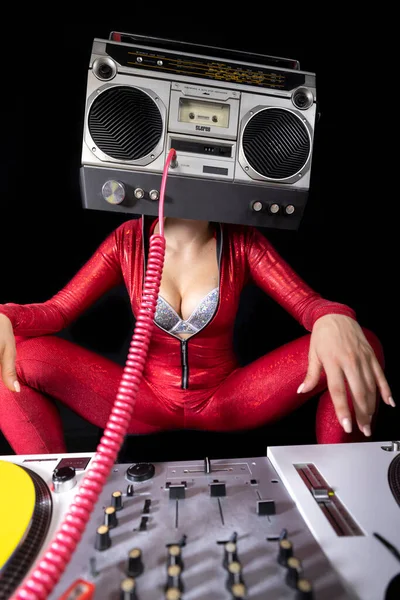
x,y
113,192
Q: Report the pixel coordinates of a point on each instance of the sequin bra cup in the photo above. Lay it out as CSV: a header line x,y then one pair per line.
x,y
167,318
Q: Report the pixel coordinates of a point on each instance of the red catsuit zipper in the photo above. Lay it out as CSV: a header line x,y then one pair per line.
x,y
184,343
185,364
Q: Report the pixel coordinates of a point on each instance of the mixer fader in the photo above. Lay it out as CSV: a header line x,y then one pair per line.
x,y
253,528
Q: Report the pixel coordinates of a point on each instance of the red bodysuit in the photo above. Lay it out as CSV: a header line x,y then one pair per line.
x,y
194,383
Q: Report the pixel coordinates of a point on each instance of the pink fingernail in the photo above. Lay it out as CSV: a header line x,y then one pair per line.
x,y
300,388
346,424
392,402
17,386
367,430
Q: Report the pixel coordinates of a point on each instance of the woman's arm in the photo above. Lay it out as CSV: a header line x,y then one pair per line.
x,y
272,274
101,272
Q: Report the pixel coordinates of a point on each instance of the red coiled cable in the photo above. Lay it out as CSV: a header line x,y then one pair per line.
x,y
49,570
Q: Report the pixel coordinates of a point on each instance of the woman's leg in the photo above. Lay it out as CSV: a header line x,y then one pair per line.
x,y
266,390
50,367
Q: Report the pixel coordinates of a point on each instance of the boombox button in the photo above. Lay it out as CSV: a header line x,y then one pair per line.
x,y
274,209
289,209
138,193
257,206
154,195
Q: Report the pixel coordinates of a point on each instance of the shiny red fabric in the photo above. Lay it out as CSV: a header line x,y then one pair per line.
x,y
220,395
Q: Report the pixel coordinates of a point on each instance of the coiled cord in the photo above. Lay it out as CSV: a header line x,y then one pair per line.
x,y
49,570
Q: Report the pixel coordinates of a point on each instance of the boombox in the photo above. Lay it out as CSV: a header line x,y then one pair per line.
x,y
242,126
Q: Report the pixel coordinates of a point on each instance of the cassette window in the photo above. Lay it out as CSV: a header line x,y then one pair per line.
x,y
213,114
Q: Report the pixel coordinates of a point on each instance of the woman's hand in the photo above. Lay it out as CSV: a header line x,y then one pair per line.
x,y
339,347
7,355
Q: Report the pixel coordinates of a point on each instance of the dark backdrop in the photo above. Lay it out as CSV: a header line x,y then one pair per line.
x,y
346,247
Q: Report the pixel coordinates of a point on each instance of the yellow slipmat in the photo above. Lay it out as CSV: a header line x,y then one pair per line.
x,y
26,508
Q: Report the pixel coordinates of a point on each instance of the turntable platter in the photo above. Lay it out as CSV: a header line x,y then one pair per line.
x,y
17,503
26,509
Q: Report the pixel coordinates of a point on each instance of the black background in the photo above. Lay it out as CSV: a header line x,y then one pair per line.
x,y
346,247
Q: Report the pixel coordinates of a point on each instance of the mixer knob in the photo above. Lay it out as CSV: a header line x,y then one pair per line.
x,y
293,572
304,590
173,594
238,590
116,500
285,551
110,517
64,479
230,554
140,472
130,490
175,556
128,589
103,540
135,564
234,574
174,578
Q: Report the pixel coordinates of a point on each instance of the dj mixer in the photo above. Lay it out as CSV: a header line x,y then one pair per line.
x,y
303,522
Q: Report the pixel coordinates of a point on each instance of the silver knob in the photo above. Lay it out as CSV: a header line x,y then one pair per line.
x,y
113,191
257,206
274,209
289,209
154,195
64,479
138,193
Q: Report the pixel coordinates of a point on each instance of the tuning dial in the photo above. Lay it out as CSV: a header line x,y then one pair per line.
x,y
304,590
103,540
293,571
230,554
64,479
174,578
140,472
135,564
128,589
285,551
110,517
113,192
116,500
175,556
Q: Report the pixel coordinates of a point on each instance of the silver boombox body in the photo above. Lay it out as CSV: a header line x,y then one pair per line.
x,y
243,132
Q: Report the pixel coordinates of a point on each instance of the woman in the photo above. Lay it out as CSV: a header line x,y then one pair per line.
x,y
191,378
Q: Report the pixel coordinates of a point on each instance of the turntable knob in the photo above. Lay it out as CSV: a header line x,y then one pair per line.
x,y
293,572
140,472
116,500
234,574
103,540
135,564
128,589
238,590
304,590
230,554
64,479
174,578
285,551
173,594
175,556
110,517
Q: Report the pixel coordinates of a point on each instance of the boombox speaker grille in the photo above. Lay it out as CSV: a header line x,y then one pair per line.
x,y
276,143
125,123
